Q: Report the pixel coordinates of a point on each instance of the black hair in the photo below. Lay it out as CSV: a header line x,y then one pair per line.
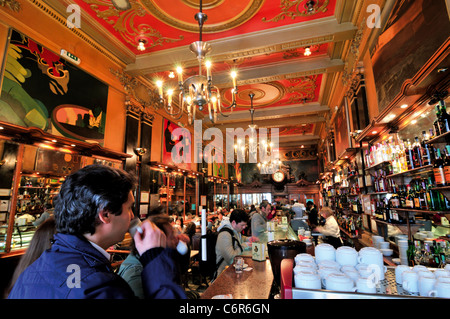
x,y
88,191
238,215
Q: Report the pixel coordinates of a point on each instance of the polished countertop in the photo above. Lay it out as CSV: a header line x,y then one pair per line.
x,y
250,284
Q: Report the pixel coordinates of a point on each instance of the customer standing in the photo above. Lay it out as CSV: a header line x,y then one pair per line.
x,y
93,211
259,220
313,217
330,229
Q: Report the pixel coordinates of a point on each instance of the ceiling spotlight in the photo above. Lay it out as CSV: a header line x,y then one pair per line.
x,y
141,45
307,51
310,6
121,4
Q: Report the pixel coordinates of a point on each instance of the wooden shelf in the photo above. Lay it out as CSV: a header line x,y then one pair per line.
x,y
412,210
376,166
443,138
413,172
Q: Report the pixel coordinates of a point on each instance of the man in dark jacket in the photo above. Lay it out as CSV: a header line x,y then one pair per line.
x,y
93,212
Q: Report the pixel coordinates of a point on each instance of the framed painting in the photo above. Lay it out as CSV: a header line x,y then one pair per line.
x,y
176,148
41,89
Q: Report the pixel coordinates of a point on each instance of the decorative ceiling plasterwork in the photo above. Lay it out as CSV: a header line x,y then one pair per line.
x,y
237,20
11,4
124,23
297,8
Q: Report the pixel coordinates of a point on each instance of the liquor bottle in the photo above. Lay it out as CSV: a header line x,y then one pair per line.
x,y
436,127
444,118
402,196
417,151
438,169
394,201
416,196
410,253
422,194
426,159
409,200
447,164
409,155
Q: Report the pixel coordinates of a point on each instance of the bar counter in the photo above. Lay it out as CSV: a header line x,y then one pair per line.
x,y
251,284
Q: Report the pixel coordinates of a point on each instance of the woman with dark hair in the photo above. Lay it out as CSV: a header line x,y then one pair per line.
x,y
41,241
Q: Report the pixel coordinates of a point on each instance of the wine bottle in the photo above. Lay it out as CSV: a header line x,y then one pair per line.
x,y
438,169
409,201
417,151
447,164
436,127
409,155
426,159
444,118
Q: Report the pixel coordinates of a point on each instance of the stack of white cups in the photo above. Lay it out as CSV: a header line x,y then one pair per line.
x,y
402,249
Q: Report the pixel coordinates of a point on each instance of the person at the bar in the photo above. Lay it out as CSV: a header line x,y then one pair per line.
x,y
330,229
259,220
93,211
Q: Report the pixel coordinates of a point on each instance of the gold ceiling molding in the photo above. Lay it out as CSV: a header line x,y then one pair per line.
x,y
77,31
11,4
124,23
297,8
246,15
303,89
209,4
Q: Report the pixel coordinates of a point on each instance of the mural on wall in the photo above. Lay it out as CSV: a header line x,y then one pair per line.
x,y
178,144
398,57
40,89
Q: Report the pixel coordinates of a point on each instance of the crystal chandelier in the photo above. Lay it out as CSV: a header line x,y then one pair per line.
x,y
269,160
197,91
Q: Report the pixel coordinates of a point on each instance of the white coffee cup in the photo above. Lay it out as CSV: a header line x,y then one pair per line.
x,y
329,263
419,268
325,271
307,241
426,273
301,231
373,257
443,279
399,271
410,281
441,273
348,268
426,284
308,233
346,255
383,245
182,247
324,252
441,289
354,274
304,257
339,282
307,280
304,267
365,285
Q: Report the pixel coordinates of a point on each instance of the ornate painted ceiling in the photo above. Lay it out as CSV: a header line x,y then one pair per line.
x,y
265,40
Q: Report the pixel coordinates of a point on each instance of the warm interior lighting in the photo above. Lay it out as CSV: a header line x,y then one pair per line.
x,y
374,132
403,106
197,91
307,51
141,45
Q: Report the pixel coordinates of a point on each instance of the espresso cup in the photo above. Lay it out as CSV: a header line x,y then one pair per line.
x,y
426,284
399,271
353,274
383,245
418,268
304,257
374,258
346,255
441,273
441,289
329,263
307,280
324,252
366,285
304,267
410,281
325,271
339,282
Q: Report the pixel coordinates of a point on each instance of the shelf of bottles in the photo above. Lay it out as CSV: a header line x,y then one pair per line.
x,y
414,175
